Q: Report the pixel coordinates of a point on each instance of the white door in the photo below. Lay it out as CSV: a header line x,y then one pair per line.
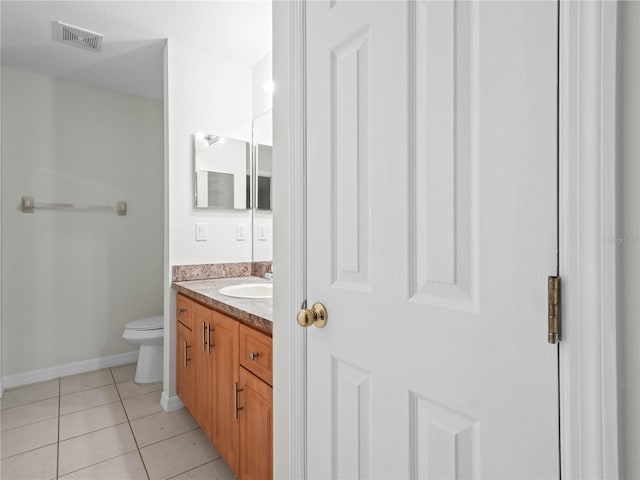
x,y
431,149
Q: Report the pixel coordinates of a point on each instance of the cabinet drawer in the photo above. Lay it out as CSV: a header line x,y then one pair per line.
x,y
255,353
184,311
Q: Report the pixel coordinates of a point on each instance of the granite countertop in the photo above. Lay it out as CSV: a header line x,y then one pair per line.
x,y
255,312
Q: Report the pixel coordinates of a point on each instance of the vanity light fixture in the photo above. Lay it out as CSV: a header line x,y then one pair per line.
x,y
211,139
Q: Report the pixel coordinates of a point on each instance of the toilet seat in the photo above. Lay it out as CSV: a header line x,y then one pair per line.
x,y
149,323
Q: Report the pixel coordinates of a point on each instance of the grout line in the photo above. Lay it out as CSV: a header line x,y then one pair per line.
x,y
32,423
58,443
86,389
193,468
146,415
33,401
131,428
89,408
27,451
197,427
141,394
92,431
98,463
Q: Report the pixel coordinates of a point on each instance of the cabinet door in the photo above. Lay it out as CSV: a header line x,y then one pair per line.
x,y
202,355
226,429
185,366
256,427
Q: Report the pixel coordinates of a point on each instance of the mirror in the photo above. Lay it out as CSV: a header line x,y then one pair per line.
x,y
262,134
222,172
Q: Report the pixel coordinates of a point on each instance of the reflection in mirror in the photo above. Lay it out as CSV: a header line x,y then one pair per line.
x,y
222,172
262,135
262,132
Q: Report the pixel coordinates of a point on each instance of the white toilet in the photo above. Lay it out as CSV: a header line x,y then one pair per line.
x,y
149,334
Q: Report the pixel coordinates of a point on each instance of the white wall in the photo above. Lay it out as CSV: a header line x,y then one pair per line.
x,y
203,93
263,133
73,279
1,351
212,95
629,246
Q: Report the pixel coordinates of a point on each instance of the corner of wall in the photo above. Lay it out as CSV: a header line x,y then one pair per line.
x,y
169,387
1,269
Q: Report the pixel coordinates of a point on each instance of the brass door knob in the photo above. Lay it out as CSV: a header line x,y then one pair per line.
x,y
317,316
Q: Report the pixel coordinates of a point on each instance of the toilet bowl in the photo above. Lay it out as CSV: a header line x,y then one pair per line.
x,y
148,333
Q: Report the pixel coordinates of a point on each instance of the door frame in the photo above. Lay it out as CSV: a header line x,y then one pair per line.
x,y
587,234
587,238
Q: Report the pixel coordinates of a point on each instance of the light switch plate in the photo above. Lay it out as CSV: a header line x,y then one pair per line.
x,y
201,232
241,232
262,233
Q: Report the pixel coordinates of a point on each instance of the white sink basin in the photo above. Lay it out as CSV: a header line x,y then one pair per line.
x,y
249,290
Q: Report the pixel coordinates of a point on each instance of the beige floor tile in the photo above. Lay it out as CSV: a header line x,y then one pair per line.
x,y
124,467
29,413
37,464
142,405
29,437
132,389
95,397
92,419
124,373
86,450
85,381
178,454
30,393
162,425
216,470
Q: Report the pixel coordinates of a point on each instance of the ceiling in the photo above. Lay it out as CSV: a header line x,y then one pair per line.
x,y
134,31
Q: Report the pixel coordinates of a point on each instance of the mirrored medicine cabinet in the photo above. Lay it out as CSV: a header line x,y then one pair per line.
x,y
222,172
262,141
224,168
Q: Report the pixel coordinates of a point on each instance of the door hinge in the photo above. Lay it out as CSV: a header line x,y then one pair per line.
x,y
553,287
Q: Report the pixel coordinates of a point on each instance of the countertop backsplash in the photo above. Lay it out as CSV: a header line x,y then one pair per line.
x,y
205,271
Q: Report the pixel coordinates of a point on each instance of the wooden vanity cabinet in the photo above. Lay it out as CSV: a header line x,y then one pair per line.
x,y
203,363
224,377
224,423
256,428
185,371
256,414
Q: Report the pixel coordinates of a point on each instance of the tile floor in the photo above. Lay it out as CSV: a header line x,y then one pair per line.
x,y
101,425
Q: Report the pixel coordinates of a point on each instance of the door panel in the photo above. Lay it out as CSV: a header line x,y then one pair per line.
x,y
431,163
442,157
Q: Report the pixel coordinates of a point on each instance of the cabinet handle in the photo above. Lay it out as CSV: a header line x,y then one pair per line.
x,y
211,344
185,353
182,310
204,338
253,355
237,408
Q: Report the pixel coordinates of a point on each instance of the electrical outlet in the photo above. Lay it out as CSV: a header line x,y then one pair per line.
x,y
201,232
241,232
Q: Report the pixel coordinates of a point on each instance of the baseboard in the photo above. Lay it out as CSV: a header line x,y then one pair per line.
x,y
49,373
170,403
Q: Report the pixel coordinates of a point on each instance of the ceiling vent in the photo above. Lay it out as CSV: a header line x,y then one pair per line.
x,y
77,36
